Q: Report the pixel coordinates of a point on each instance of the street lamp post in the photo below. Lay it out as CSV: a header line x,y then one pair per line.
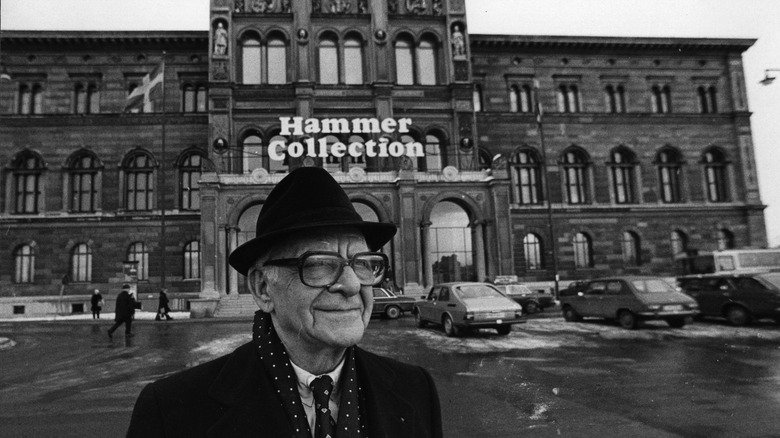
x,y
550,225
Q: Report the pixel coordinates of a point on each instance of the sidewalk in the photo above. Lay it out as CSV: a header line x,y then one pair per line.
x,y
104,316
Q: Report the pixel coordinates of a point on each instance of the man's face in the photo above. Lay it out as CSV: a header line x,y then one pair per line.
x,y
319,317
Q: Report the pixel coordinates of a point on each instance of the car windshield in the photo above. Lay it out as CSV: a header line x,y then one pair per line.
x,y
468,292
773,279
517,289
652,286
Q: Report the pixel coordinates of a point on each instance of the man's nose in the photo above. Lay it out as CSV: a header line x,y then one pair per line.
x,y
347,284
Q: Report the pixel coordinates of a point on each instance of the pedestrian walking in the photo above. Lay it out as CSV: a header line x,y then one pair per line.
x,y
97,304
163,309
125,309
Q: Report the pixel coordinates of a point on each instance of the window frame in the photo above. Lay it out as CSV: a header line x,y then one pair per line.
x,y
81,263
24,263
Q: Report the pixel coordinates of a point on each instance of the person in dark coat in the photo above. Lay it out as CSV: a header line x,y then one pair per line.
x,y
97,304
310,269
163,309
125,309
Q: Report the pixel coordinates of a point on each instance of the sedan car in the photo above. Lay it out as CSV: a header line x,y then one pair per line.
x,y
630,300
740,297
461,306
531,301
390,305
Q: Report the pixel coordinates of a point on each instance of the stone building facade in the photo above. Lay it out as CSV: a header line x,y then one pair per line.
x,y
643,148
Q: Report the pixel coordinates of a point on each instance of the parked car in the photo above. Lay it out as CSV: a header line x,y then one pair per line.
x,y
390,305
738,297
629,300
461,306
531,301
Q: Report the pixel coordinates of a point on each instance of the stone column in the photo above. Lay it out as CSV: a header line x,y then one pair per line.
x,y
427,262
478,240
231,235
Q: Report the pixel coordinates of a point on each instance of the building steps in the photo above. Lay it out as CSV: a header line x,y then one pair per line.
x,y
235,305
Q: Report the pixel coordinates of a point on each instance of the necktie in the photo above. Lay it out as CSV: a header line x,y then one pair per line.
x,y
324,426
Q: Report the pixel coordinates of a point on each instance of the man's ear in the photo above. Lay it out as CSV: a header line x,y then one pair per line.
x,y
258,286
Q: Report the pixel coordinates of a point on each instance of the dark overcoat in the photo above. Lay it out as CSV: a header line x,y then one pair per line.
x,y
125,306
232,396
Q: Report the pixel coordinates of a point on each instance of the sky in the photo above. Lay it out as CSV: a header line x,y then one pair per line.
x,y
759,19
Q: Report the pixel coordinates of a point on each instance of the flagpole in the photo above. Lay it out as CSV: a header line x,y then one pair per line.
x,y
162,190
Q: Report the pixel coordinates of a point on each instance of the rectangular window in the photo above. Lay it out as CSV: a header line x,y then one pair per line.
x,y
27,193
190,190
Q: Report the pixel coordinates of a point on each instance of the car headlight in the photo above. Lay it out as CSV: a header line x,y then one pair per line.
x,y
654,307
469,316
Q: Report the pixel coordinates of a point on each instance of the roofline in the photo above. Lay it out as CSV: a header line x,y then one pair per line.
x,y
75,37
601,42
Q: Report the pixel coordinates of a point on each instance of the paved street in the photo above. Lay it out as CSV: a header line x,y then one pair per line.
x,y
547,378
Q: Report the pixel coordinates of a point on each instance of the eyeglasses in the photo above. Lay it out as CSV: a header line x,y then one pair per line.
x,y
323,268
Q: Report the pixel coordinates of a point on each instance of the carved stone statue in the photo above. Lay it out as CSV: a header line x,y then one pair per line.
x,y
238,6
362,7
438,7
416,6
220,40
261,6
458,43
286,6
392,6
340,7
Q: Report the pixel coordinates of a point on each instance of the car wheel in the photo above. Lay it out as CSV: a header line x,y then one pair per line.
x,y
392,312
676,322
570,315
738,315
449,327
418,317
627,320
504,330
531,307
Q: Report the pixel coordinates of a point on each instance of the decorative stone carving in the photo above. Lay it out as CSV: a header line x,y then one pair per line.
x,y
238,6
261,6
357,174
461,70
438,7
464,125
286,6
392,6
450,173
416,6
219,70
220,40
259,176
362,7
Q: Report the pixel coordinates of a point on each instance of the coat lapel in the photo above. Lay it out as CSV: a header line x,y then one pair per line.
x,y
389,412
251,408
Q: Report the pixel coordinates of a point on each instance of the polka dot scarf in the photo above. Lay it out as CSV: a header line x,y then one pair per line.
x,y
272,354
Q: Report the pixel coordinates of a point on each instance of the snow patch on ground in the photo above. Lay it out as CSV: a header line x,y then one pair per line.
x,y
139,316
6,343
217,347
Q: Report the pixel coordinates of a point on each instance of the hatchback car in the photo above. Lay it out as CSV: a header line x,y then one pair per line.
x,y
630,300
738,297
390,305
461,306
531,301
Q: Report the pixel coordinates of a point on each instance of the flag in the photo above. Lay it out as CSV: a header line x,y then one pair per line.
x,y
143,97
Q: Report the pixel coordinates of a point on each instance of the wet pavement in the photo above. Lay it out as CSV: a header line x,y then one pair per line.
x,y
547,378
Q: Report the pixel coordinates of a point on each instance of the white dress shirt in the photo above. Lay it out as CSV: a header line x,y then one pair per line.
x,y
307,398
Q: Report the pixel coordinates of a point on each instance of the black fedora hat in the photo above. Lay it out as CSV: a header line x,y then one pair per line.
x,y
307,198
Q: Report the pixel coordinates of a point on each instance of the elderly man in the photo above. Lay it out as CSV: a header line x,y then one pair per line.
x,y
311,269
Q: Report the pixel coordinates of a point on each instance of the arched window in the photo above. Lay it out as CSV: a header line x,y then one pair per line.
x,y
24,264
426,62
192,260
514,99
622,165
669,169
353,60
359,161
485,158
661,97
404,64
251,60
189,177
328,60
27,169
432,161
575,165
139,181
137,252
526,178
277,60
583,251
707,99
615,97
83,171
568,98
714,162
253,152
477,98
451,250
332,163
630,246
81,263
679,242
725,239
532,249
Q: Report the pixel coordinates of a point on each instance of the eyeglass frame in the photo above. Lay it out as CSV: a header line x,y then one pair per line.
x,y
298,262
